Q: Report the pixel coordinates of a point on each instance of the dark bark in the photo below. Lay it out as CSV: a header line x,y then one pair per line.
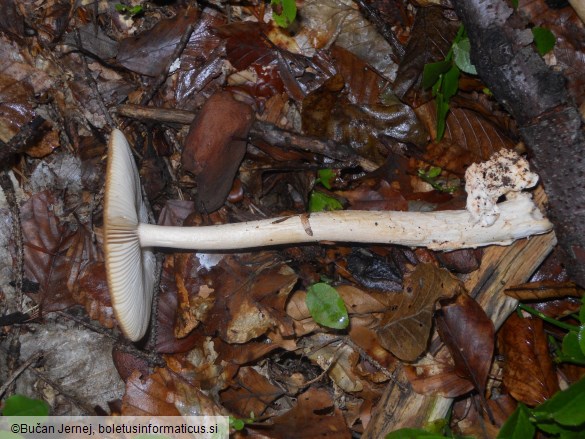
x,y
549,122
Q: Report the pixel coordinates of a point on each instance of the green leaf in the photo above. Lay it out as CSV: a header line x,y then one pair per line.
x,y
433,71
236,423
326,306
544,39
319,202
433,172
451,82
19,405
461,51
581,336
326,177
571,347
518,425
284,12
566,408
413,433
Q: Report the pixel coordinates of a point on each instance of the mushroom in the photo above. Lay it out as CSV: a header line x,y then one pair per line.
x,y
129,239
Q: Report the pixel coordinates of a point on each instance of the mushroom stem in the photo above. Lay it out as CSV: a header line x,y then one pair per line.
x,y
446,230
129,239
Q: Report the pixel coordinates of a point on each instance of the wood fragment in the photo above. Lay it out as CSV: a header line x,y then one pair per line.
x,y
501,268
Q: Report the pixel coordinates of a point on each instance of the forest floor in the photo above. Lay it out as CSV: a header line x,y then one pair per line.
x,y
234,118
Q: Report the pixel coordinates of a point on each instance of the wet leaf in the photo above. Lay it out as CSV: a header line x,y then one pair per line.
x,y
150,53
529,372
405,328
326,306
215,147
468,333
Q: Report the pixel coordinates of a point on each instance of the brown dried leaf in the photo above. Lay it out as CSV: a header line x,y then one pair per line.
x,y
215,147
437,376
468,333
91,290
250,299
150,52
471,423
362,83
165,393
529,373
249,392
15,105
201,62
460,261
168,310
430,40
468,129
544,290
406,326
314,416
248,47
46,243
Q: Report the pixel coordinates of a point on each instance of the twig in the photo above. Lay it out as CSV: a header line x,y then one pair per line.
x,y
33,358
263,130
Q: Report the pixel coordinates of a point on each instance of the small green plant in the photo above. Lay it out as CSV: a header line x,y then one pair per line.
x,y
443,76
431,176
562,416
326,306
572,349
544,40
19,405
318,201
239,424
284,12
130,11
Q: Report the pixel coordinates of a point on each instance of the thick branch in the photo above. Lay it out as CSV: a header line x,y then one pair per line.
x,y
549,123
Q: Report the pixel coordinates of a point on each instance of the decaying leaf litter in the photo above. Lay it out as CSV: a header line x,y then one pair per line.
x,y
231,120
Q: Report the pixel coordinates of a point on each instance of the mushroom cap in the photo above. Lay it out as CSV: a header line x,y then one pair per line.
x,y
130,269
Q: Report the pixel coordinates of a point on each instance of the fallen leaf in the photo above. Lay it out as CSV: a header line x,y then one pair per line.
x,y
150,52
215,147
46,243
437,376
249,392
544,290
430,39
250,298
468,333
405,328
165,393
529,373
314,416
